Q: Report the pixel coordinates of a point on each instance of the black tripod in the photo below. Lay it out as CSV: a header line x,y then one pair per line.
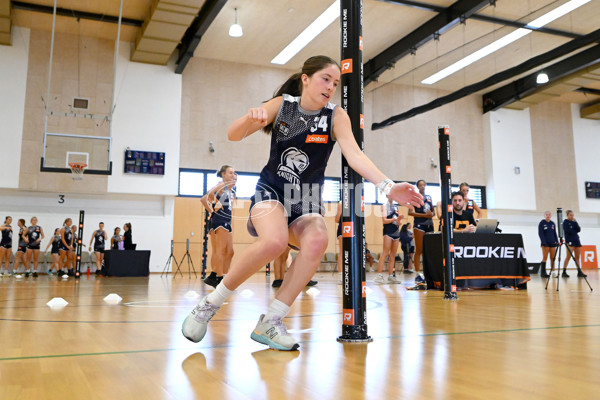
x,y
168,265
189,261
561,243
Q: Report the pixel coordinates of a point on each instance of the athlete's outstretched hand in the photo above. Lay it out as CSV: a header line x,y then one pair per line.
x,y
406,194
258,115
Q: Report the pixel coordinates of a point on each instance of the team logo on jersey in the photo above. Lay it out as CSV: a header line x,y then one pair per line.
x,y
283,128
293,163
317,139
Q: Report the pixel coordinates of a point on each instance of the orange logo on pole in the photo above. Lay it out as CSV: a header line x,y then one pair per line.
x,y
362,121
446,131
348,316
347,229
347,66
589,258
452,248
360,43
449,208
448,169
364,289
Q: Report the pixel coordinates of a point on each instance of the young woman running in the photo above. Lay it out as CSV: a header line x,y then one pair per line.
x,y
286,208
222,196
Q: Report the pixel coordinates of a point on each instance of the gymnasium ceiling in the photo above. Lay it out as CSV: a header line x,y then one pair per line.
x,y
269,26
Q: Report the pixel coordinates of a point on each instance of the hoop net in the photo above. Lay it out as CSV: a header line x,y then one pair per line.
x,y
77,170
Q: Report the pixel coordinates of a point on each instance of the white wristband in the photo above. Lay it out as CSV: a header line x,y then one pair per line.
x,y
386,186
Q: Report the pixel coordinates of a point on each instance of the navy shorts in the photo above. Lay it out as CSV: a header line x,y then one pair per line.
x,y
99,249
33,246
574,243
391,230
7,246
339,229
293,209
217,222
425,228
550,245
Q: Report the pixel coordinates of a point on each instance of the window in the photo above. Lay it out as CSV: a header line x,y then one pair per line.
x,y
331,190
191,183
195,182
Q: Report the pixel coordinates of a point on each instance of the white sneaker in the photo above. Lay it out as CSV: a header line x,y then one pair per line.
x,y
274,334
393,279
194,326
371,269
379,279
18,276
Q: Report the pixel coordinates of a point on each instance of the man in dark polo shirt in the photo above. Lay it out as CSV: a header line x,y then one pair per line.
x,y
463,221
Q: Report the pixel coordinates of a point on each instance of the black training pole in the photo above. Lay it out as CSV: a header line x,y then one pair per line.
x,y
354,323
79,241
447,215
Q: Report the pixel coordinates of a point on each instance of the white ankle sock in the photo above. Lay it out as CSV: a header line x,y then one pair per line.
x,y
219,295
277,310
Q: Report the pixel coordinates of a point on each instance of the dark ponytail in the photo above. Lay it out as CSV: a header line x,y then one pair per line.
x,y
293,85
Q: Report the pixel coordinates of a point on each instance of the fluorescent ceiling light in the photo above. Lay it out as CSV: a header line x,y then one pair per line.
x,y
307,35
505,40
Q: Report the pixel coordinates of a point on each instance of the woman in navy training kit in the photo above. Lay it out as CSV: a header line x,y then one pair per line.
x,y
218,202
55,243
391,239
571,229
304,126
34,235
5,245
547,234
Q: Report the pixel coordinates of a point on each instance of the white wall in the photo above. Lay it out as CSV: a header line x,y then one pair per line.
x,y
147,117
507,144
586,137
13,82
151,217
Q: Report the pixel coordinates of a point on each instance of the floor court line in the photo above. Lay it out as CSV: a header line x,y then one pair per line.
x,y
392,337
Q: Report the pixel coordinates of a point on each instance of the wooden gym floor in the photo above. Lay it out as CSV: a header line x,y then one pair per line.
x,y
488,345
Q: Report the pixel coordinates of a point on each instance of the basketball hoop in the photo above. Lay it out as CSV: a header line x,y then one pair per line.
x,y
77,170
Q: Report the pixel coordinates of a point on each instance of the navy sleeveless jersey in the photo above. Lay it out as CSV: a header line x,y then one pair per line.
x,y
301,143
427,206
55,243
6,236
98,239
391,210
22,242
33,234
225,199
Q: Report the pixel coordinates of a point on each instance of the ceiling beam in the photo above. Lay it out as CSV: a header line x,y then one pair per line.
x,y
65,12
193,35
485,18
436,26
560,51
527,85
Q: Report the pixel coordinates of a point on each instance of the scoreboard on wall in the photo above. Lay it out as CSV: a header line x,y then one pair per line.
x,y
592,190
144,162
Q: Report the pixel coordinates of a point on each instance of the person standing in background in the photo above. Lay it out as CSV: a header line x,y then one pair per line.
x,y
423,221
116,239
55,243
469,206
547,234
5,246
34,235
99,238
127,240
571,229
